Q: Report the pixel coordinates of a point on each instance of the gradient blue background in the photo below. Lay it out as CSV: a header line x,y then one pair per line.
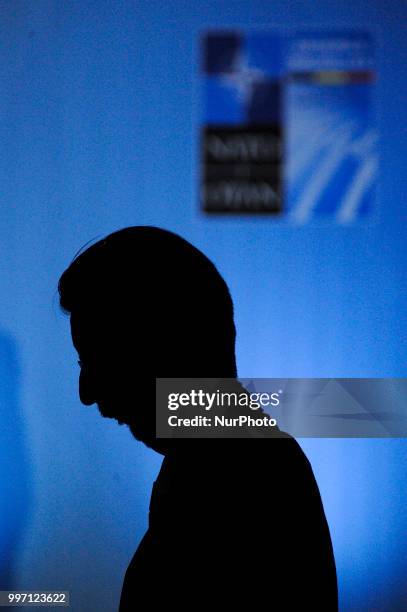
x,y
99,112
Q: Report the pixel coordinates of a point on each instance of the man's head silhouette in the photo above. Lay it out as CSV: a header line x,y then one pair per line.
x,y
145,303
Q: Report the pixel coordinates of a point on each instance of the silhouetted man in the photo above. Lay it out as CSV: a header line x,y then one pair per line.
x,y
233,522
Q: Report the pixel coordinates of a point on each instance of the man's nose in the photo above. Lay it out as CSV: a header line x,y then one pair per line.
x,y
87,392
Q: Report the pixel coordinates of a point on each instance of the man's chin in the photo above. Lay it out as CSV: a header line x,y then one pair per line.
x,y
149,439
142,434
138,433
109,414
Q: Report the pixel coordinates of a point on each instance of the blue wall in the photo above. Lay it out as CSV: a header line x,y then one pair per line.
x,y
99,112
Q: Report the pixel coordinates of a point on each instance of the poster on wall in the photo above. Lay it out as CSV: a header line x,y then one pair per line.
x,y
288,125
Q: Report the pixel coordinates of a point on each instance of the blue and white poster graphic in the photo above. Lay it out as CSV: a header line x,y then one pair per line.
x,y
289,124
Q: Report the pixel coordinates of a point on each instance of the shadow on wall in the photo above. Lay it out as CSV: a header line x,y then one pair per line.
x,y
15,490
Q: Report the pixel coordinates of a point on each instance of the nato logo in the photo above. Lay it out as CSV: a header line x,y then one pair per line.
x,y
241,144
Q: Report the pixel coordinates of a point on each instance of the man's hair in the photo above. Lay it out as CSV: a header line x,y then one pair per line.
x,y
148,276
